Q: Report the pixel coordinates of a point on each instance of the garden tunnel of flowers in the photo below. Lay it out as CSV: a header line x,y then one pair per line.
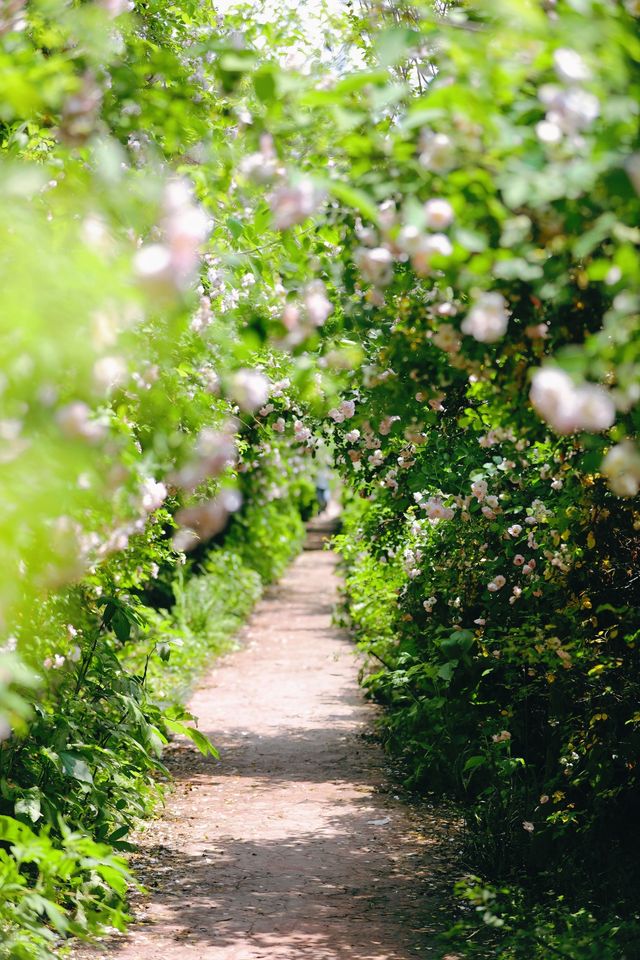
x,y
244,243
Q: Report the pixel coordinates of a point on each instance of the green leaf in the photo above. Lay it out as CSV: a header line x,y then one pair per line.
x,y
393,44
56,916
264,83
354,197
121,625
203,743
29,805
117,834
460,641
474,762
339,93
446,671
76,766
237,62
235,227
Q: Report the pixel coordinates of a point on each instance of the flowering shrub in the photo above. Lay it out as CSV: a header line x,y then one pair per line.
x,y
148,433
490,564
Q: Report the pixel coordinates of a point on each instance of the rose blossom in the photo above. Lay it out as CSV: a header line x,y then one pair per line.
x,y
428,247
436,151
438,214
447,338
621,467
436,510
317,304
249,389
386,424
570,66
376,266
294,203
301,432
567,407
503,737
488,318
152,494
479,489
75,421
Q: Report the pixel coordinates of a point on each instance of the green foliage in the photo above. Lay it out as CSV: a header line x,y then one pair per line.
x,y
502,923
79,779
51,889
267,536
137,365
210,605
490,564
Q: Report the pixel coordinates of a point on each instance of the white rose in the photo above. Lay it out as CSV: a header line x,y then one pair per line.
x,y
488,319
428,247
438,214
294,203
317,304
375,265
621,467
249,389
570,66
595,410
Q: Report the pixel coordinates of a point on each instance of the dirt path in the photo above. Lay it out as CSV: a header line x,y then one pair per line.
x,y
293,846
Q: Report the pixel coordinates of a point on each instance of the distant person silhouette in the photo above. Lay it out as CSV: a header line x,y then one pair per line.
x,y
323,490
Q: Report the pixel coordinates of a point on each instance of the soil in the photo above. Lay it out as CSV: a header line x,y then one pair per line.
x,y
296,844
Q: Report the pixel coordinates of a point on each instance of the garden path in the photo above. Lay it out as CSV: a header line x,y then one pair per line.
x,y
293,846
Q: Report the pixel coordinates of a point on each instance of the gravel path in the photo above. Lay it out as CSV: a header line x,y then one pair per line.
x,y
293,846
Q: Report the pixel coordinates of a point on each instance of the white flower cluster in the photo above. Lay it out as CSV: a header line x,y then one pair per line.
x,y
422,247
300,320
345,411
621,467
301,433
375,265
412,241
263,166
214,451
294,203
249,389
434,507
115,8
152,494
488,318
411,558
171,265
436,151
205,520
77,422
567,407
570,108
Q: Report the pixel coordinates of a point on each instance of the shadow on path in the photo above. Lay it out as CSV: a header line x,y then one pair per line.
x,y
292,846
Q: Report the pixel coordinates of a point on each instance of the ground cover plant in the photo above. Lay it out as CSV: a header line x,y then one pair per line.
x,y
408,232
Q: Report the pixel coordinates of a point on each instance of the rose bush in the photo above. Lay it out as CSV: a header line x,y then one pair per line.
x,y
142,470
490,565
